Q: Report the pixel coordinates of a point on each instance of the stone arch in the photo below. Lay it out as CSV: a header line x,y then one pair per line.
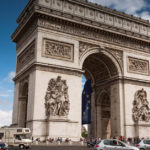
x,y
97,50
104,67
23,103
104,108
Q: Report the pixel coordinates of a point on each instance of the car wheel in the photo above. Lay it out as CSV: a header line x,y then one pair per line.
x,y
21,146
142,149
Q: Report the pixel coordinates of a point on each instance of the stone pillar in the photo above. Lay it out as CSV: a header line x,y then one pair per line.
x,y
60,105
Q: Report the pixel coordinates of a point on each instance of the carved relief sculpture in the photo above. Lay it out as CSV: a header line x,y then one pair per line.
x,y
141,109
58,50
57,99
26,56
138,66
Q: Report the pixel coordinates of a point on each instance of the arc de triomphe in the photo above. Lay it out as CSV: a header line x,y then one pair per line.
x,y
58,41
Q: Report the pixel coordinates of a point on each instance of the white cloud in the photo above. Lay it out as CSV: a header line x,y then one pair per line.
x,y
4,95
10,76
127,6
145,15
4,103
5,118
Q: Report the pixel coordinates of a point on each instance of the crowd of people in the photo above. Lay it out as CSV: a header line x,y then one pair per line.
x,y
59,140
129,140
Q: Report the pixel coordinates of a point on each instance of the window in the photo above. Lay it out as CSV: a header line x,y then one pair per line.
x,y
1,135
19,130
26,130
18,137
146,142
108,142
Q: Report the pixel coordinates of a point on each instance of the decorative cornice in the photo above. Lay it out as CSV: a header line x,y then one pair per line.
x,y
88,14
95,34
48,68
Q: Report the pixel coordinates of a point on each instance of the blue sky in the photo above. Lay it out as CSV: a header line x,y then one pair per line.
x,y
10,10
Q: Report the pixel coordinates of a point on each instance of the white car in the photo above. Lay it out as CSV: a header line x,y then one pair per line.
x,y
113,144
144,145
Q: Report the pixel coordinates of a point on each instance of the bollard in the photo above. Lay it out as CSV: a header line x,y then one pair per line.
x,y
81,142
58,142
47,142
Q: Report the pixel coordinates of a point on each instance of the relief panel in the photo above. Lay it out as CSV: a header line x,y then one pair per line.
x,y
79,10
26,56
141,108
58,50
99,16
57,98
109,19
143,30
68,7
89,13
138,66
57,4
126,25
117,22
135,27
46,3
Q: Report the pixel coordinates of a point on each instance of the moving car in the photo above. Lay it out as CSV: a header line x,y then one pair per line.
x,y
144,145
92,143
113,144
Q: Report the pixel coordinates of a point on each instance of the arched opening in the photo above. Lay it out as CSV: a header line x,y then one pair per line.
x,y
105,116
23,103
102,71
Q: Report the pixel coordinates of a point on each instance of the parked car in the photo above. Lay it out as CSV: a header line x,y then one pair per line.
x,y
113,144
16,137
144,145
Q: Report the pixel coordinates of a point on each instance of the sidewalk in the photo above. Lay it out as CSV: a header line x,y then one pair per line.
x,y
59,144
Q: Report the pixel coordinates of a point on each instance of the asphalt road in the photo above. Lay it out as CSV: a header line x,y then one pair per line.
x,y
55,148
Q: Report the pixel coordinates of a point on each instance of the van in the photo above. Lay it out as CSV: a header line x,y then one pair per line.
x,y
16,137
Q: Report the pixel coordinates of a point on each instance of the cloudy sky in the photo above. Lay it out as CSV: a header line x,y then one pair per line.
x,y
10,9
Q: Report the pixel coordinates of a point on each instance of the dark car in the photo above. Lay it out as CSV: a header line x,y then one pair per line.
x,y
3,146
92,143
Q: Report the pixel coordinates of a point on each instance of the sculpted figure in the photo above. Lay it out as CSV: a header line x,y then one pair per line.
x,y
56,98
141,109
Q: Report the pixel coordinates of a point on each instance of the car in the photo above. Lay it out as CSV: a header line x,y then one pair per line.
x,y
113,144
144,144
3,146
92,143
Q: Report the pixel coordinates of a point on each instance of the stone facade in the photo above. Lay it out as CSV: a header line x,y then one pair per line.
x,y
60,41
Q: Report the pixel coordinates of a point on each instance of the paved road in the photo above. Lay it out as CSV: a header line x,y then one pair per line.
x,y
55,148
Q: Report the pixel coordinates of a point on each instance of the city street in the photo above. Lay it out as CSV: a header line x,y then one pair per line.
x,y
55,148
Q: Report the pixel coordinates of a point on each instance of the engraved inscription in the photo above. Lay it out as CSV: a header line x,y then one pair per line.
x,y
138,66
58,50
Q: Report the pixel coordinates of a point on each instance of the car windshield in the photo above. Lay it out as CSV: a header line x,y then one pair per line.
x,y
114,143
20,137
146,142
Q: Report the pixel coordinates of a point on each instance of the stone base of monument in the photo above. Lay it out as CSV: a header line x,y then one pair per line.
x,y
64,129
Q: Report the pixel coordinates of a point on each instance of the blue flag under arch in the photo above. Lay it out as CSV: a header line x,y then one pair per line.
x,y
86,103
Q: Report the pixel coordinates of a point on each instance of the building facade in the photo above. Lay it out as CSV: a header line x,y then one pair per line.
x,y
58,41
